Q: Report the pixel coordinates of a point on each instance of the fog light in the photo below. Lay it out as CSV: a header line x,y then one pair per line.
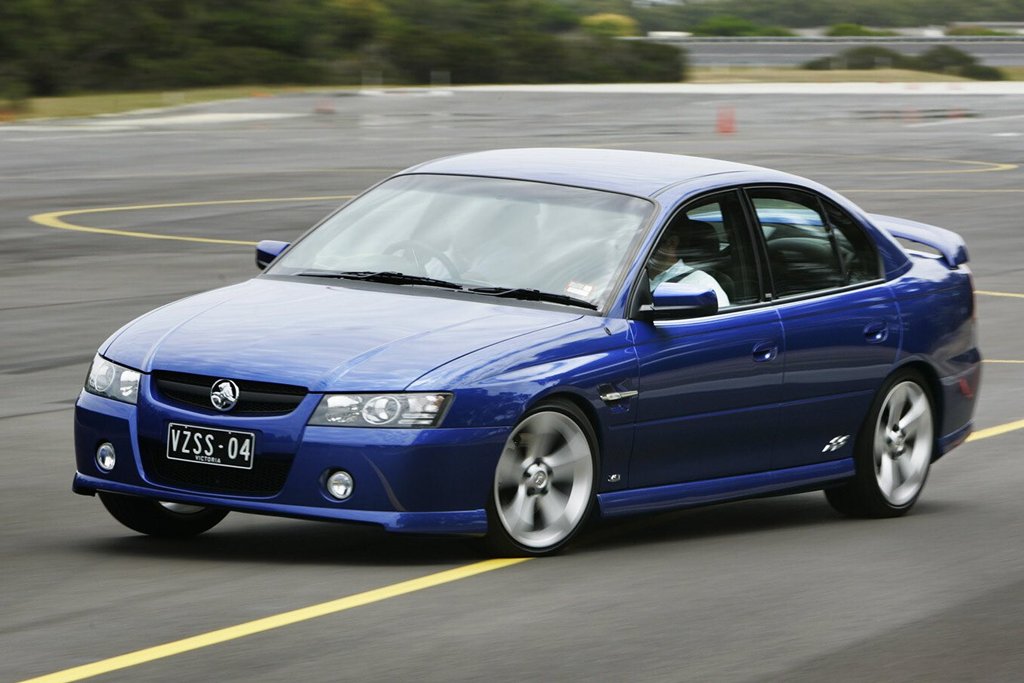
x,y
340,484
105,457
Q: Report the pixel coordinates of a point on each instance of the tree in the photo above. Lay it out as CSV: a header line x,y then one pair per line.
x,y
356,22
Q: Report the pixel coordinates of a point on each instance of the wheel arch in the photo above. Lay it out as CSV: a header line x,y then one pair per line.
x,y
579,401
934,387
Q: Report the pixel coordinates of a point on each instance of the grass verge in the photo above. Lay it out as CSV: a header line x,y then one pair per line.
x,y
114,103
1013,73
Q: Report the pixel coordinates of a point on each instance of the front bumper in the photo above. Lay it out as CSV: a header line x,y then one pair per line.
x,y
448,522
415,481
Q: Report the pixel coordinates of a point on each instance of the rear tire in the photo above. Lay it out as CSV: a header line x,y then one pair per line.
x,y
544,483
157,518
893,452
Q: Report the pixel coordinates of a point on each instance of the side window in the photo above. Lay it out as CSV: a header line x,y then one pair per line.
x,y
707,245
860,261
800,242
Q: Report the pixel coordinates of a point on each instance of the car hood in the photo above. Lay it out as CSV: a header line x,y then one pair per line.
x,y
344,337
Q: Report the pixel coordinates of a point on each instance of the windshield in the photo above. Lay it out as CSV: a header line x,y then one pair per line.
x,y
479,233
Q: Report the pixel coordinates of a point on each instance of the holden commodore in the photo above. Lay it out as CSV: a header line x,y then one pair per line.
x,y
504,344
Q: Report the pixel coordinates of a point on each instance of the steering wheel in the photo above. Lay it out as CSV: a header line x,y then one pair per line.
x,y
420,254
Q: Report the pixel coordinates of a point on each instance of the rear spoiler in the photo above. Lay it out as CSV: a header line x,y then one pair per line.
x,y
946,242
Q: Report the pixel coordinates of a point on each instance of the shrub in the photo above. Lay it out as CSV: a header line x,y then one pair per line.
x,y
844,30
530,58
974,31
13,95
946,59
939,59
616,61
865,57
609,25
728,25
211,66
980,72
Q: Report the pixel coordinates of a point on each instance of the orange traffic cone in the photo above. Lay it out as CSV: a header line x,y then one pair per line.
x,y
726,124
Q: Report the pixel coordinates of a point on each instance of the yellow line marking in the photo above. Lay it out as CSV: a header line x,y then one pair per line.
x,y
996,431
989,360
1008,294
217,174
55,219
982,166
273,622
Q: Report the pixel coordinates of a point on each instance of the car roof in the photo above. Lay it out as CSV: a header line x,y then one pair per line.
x,y
630,172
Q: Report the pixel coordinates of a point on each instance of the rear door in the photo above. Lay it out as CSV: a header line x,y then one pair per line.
x,y
839,318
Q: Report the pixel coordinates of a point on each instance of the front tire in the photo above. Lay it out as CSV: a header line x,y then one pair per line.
x,y
894,451
159,518
543,489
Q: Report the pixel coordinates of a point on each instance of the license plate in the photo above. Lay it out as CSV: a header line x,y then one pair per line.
x,y
209,446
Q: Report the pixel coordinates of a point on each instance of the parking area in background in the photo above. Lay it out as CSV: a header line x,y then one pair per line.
x,y
774,588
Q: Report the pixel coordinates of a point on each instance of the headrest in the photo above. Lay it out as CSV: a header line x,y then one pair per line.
x,y
699,242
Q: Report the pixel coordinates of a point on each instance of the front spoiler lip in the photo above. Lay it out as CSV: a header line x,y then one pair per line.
x,y
471,522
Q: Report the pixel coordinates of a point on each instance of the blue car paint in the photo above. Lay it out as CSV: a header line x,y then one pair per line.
x,y
500,383
500,358
404,471
698,380
354,337
946,242
937,312
848,339
267,251
726,488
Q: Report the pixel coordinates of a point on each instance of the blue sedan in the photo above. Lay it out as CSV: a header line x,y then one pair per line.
x,y
506,344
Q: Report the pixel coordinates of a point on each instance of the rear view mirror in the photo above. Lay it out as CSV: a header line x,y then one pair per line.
x,y
674,300
267,251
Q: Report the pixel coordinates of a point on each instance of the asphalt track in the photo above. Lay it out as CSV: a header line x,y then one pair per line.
x,y
772,589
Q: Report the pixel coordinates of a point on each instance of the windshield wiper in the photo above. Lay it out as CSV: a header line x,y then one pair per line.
x,y
387,276
396,278
531,295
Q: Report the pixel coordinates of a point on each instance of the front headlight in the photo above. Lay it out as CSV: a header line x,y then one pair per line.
x,y
408,411
112,380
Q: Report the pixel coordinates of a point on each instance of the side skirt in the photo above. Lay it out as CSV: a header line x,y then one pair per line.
x,y
806,477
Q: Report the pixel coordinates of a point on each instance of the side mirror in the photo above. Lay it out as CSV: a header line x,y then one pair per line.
x,y
674,300
267,251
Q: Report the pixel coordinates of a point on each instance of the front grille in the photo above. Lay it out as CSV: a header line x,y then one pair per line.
x,y
266,477
255,398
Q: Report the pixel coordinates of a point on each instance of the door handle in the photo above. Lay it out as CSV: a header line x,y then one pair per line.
x,y
765,351
876,332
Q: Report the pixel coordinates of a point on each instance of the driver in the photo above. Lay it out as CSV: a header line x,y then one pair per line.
x,y
666,263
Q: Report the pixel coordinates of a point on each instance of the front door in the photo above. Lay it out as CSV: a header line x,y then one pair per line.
x,y
709,393
708,388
